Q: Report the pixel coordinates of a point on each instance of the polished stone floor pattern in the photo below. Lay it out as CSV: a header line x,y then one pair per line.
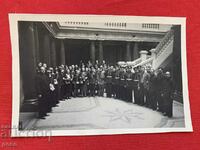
x,y
106,113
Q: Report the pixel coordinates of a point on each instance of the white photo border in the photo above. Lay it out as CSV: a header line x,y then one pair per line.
x,y
13,23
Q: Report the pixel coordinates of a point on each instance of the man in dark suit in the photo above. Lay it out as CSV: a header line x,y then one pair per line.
x,y
52,92
62,84
160,77
145,81
109,82
114,85
136,79
67,81
101,83
117,82
153,85
141,86
128,83
42,88
92,82
84,82
166,94
123,84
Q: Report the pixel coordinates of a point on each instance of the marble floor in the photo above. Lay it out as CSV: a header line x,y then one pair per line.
x,y
105,113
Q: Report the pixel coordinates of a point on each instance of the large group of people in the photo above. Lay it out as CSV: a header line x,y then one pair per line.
x,y
140,85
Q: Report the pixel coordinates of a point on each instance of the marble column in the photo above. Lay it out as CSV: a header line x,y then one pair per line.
x,y
47,49
62,52
37,50
21,91
135,51
28,62
53,53
128,51
67,51
100,52
92,52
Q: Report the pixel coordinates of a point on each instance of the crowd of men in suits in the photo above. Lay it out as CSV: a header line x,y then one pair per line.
x,y
140,85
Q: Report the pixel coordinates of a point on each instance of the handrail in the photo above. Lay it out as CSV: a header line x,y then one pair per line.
x,y
164,47
159,49
130,63
165,40
135,62
149,60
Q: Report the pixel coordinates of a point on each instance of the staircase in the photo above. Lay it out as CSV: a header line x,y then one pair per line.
x,y
160,54
164,50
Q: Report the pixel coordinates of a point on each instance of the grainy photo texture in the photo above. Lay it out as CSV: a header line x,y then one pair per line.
x,y
89,75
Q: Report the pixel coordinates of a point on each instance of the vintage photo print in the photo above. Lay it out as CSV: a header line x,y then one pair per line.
x,y
98,74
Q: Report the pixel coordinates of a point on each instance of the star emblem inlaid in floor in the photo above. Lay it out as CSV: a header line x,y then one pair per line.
x,y
125,116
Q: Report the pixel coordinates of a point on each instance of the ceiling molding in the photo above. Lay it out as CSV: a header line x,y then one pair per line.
x,y
103,34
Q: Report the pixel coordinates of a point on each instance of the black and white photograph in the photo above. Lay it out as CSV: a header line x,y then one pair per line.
x,y
94,75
